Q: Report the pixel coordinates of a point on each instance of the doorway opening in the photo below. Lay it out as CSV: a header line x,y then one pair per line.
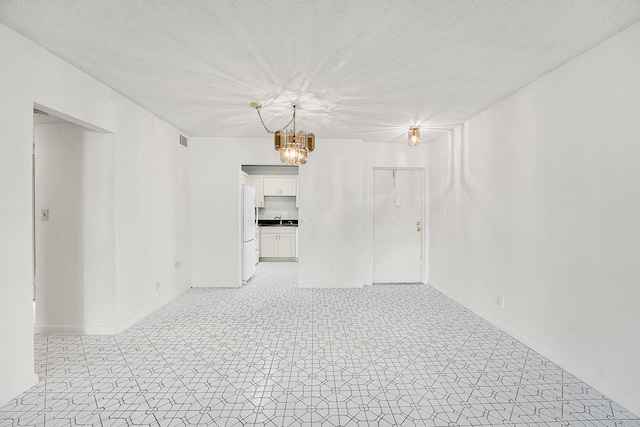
x,y
275,207
72,207
398,228
57,159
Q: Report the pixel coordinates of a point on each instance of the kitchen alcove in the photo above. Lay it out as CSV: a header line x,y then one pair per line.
x,y
276,202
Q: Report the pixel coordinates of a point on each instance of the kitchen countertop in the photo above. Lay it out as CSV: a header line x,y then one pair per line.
x,y
276,223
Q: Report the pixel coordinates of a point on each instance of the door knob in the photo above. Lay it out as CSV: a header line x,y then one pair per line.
x,y
418,226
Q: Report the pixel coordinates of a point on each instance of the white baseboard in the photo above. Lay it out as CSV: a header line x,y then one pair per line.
x,y
74,329
308,285
124,325
104,330
16,390
603,387
213,284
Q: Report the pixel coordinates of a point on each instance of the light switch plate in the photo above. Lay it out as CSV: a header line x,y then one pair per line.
x,y
397,200
44,216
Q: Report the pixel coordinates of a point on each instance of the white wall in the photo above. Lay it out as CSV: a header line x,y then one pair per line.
x,y
539,203
75,247
383,155
333,214
278,205
215,205
332,241
151,196
332,225
152,219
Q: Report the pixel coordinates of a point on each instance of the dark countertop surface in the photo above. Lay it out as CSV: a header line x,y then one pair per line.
x,y
276,223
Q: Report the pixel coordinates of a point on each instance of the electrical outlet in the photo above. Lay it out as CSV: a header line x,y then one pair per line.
x,y
157,286
500,301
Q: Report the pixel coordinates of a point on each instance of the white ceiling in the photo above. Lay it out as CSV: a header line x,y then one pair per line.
x,y
355,68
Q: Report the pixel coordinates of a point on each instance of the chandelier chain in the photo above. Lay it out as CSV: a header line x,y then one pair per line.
x,y
293,119
294,147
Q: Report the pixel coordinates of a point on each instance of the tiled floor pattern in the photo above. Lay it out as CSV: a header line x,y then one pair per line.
x,y
271,354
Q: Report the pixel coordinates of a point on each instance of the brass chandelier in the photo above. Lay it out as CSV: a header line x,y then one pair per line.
x,y
294,147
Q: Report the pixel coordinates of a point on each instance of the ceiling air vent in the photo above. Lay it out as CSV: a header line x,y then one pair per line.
x,y
183,140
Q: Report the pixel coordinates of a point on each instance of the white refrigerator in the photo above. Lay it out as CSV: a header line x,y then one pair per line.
x,y
248,221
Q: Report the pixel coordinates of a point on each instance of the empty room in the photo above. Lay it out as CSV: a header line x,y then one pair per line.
x,y
416,213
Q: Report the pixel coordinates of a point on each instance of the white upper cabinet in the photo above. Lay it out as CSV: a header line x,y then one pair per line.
x,y
280,186
258,184
288,186
272,186
245,179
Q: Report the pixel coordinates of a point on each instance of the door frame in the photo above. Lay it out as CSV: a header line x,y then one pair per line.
x,y
424,269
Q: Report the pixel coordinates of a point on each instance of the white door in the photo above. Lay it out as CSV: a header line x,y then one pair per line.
x,y
398,225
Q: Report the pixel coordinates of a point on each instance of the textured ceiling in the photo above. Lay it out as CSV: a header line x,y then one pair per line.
x,y
356,68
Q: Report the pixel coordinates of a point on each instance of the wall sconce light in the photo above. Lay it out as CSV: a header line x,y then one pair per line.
x,y
414,136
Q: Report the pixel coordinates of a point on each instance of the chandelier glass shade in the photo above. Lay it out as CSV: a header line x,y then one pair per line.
x,y
414,136
294,147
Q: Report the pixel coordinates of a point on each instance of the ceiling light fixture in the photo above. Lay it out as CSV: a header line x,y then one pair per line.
x,y
414,136
294,147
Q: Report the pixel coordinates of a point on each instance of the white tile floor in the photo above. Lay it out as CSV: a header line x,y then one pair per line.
x,y
270,354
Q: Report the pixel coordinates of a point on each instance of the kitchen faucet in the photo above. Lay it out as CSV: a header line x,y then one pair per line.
x,y
278,217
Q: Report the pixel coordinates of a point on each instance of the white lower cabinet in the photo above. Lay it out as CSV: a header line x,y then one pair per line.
x,y
278,242
268,245
287,245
